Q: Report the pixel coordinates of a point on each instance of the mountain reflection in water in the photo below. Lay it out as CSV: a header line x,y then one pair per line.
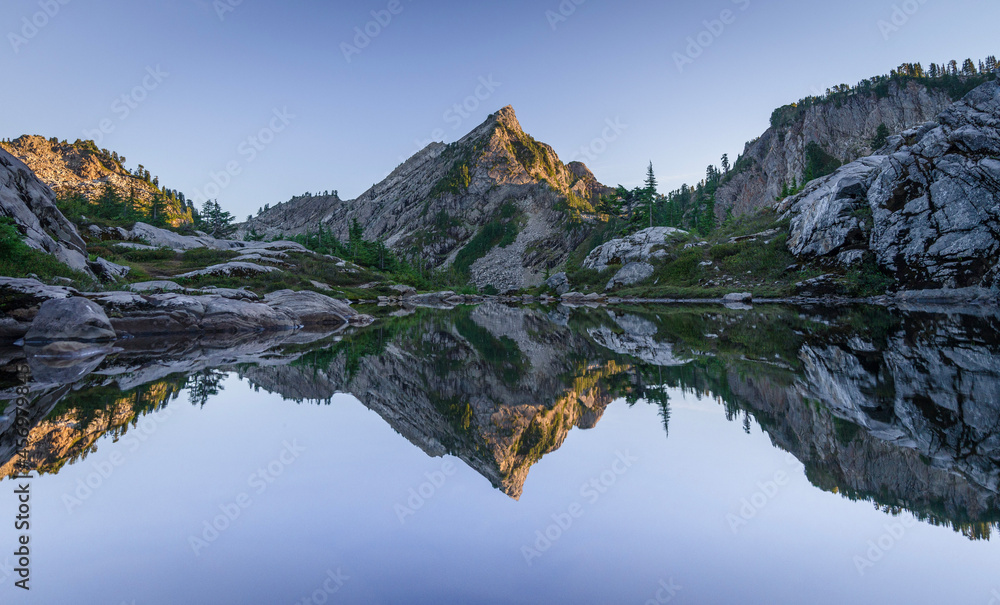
x,y
900,408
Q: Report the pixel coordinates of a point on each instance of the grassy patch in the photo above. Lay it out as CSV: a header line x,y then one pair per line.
x,y
18,259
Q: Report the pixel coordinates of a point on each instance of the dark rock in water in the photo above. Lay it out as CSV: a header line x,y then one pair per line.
x,y
70,319
312,308
64,362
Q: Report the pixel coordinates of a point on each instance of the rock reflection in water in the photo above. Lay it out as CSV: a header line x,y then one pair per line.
x,y
899,408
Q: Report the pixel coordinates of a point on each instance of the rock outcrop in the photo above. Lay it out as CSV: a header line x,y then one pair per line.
x,y
927,209
648,244
496,178
843,129
32,206
161,309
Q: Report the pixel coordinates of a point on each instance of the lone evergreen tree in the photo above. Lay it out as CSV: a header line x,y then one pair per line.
x,y
650,191
881,137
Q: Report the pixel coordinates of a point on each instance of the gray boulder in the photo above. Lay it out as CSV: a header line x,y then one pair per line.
x,y
233,269
738,298
70,319
314,309
631,274
646,245
109,271
156,286
559,283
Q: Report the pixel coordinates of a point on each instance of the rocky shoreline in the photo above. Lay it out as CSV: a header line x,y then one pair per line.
x,y
41,313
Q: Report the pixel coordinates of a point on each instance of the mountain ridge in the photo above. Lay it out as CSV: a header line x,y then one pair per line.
x,y
497,177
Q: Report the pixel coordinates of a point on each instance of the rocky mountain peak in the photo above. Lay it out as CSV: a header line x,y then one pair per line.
x,y
507,118
497,179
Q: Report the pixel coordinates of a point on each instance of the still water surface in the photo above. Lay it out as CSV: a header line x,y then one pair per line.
x,y
501,455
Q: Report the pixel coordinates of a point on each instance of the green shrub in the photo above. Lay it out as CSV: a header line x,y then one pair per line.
x,y
205,257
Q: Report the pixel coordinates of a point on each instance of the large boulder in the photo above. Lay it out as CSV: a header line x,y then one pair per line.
x,y
641,247
32,205
314,309
558,283
108,270
631,274
928,210
70,319
233,269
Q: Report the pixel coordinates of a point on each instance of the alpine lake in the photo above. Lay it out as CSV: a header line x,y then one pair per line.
x,y
517,454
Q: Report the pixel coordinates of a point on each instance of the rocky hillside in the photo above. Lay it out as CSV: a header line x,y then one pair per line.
x,y
32,206
926,208
843,129
497,205
81,168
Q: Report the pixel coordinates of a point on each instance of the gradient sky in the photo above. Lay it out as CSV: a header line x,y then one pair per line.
x,y
227,66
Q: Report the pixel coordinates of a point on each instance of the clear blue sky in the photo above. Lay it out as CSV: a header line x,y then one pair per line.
x,y
221,78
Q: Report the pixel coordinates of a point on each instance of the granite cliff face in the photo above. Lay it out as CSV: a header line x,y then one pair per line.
x,y
497,178
32,206
844,130
82,168
927,208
